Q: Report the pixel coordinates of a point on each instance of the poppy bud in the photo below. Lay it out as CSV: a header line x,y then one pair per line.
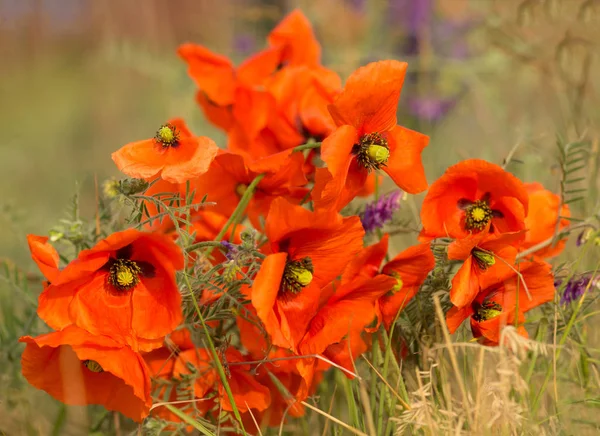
x,y
132,186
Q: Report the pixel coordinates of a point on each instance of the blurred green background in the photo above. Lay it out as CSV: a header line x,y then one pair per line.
x,y
80,78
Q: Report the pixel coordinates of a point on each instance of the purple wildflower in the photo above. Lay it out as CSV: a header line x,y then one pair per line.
x,y
231,249
576,287
244,44
379,212
430,108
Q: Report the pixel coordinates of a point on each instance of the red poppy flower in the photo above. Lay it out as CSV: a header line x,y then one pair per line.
x,y
111,288
174,154
298,375
306,251
294,35
247,392
367,137
301,96
217,77
487,259
409,269
44,255
229,176
469,196
347,313
503,303
541,220
78,368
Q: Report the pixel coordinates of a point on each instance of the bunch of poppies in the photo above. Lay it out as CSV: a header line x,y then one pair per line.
x,y
300,148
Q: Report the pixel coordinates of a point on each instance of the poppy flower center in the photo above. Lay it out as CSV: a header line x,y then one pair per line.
x,y
297,275
241,189
478,215
124,274
93,366
372,151
167,136
483,259
398,286
487,310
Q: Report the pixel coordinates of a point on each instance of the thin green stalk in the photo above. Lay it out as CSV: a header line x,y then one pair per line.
x,y
563,339
307,146
352,407
60,420
215,357
203,244
189,420
241,207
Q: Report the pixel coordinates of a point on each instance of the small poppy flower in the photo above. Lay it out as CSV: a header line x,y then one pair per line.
x,y
541,220
470,196
78,368
44,255
409,269
367,137
174,154
506,302
247,392
230,174
306,251
487,259
111,288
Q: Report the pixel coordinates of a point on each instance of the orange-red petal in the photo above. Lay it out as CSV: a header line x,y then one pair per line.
x,y
370,97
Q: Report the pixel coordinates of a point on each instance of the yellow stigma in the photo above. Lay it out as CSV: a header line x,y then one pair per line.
x,y
483,259
125,277
241,189
124,274
297,275
478,214
378,153
302,276
486,311
167,135
93,366
372,151
399,283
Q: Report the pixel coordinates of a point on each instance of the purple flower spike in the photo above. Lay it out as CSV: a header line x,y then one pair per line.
x,y
380,212
576,287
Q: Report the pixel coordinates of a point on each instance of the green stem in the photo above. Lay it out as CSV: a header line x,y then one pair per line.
x,y
307,146
215,357
203,244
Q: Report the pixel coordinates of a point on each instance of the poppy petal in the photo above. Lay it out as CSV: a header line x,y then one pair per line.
x,y
370,97
405,165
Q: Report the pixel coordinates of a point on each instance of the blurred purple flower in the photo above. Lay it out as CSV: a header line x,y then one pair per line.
x,y
575,288
430,108
231,249
358,5
244,43
410,14
379,212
